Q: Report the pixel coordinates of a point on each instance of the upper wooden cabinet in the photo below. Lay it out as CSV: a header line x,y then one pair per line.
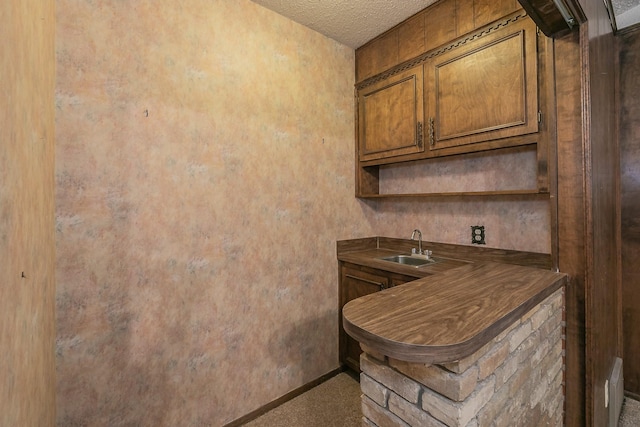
x,y
460,77
390,116
488,11
486,89
441,23
376,56
411,37
436,25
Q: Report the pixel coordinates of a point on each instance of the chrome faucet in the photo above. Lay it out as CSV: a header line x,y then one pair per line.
x,y
421,253
413,236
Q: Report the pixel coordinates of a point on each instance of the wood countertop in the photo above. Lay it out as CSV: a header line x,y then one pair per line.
x,y
373,258
447,316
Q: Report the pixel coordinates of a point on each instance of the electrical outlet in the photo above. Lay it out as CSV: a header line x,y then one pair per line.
x,y
477,235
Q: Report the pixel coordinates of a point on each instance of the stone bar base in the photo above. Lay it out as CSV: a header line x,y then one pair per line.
x,y
514,380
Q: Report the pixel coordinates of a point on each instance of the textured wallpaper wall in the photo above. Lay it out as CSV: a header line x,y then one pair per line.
x,y
27,239
204,173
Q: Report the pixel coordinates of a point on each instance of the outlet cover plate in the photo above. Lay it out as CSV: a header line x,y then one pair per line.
x,y
477,235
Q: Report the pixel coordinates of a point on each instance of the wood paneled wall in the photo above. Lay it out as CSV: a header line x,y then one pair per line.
x,y
629,93
589,211
27,245
601,211
571,221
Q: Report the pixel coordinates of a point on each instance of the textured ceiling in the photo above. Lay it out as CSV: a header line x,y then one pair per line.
x,y
355,22
621,6
627,12
351,22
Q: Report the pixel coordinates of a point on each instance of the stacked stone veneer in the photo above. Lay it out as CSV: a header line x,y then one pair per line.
x,y
514,380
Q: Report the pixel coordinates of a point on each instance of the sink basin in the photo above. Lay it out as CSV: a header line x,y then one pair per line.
x,y
409,260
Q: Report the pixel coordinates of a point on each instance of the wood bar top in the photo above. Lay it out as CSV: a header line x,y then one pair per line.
x,y
373,258
448,316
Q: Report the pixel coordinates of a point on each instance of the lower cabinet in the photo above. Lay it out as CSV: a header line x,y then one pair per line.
x,y
357,281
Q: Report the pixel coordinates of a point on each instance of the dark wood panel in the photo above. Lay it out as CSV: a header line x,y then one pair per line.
x,y
570,226
448,316
547,149
593,310
629,91
603,323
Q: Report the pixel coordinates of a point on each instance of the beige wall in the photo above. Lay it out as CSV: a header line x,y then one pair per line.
x,y
204,173
196,263
27,239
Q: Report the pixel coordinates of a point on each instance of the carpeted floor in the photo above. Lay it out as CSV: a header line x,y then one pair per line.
x,y
630,415
334,403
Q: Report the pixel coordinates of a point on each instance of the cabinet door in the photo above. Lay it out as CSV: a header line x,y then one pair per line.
x,y
355,284
484,90
390,116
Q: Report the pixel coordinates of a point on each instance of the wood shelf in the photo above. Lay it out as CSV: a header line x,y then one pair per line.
x,y
501,193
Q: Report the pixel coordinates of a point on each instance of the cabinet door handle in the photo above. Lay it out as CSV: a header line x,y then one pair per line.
x,y
371,282
432,140
419,139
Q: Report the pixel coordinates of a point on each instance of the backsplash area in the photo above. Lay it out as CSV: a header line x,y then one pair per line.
x,y
517,223
514,169
204,171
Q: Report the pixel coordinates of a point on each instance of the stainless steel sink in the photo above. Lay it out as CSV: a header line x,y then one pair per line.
x,y
409,260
